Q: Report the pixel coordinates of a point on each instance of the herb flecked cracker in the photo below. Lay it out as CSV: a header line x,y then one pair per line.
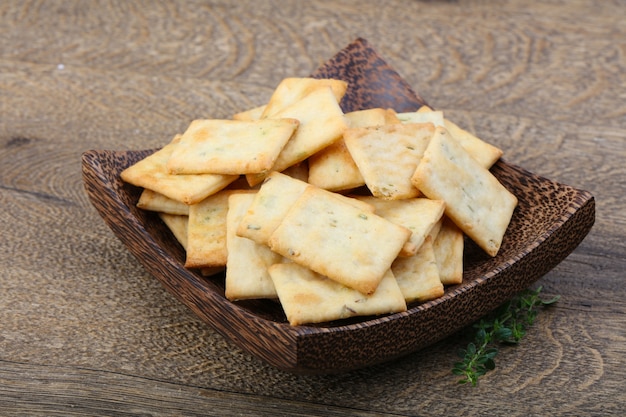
x,y
153,201
419,215
151,172
230,147
272,202
418,275
308,297
177,225
321,123
293,89
387,156
336,239
475,200
448,249
206,232
333,168
483,152
246,267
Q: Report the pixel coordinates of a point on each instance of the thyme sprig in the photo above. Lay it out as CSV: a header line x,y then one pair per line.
x,y
507,325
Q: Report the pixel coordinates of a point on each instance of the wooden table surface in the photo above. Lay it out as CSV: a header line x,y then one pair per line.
x,y
85,330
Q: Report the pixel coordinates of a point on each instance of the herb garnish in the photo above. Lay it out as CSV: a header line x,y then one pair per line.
x,y
507,325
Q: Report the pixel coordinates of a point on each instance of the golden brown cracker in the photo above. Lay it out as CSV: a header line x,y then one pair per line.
x,y
153,201
151,172
485,153
418,275
475,200
419,215
247,276
308,297
387,156
336,239
293,89
206,244
321,124
448,247
230,147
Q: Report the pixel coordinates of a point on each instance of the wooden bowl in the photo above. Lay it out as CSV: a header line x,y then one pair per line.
x,y
549,222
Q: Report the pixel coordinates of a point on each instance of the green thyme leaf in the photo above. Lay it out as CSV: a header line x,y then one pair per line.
x,y
507,325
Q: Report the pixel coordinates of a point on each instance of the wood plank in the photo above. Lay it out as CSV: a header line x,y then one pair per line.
x,y
29,389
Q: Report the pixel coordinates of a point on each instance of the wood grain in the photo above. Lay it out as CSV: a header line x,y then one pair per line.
x,y
85,330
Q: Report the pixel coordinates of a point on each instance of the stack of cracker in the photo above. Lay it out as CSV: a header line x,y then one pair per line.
x,y
334,215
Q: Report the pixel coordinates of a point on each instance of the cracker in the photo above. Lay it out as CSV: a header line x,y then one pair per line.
x,y
274,199
371,117
423,116
418,275
434,232
308,297
321,124
230,147
333,167
254,113
293,89
485,153
246,268
475,200
151,172
448,247
419,215
336,239
387,156
272,202
206,244
153,201
177,225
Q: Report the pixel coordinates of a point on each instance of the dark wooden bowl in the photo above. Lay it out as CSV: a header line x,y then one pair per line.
x,y
550,221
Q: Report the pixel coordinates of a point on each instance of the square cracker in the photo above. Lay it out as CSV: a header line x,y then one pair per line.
x,y
177,225
333,168
206,232
321,123
419,215
475,200
308,297
153,201
423,116
230,147
448,247
387,156
485,153
336,239
151,172
418,275
293,89
250,114
372,117
246,267
272,202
